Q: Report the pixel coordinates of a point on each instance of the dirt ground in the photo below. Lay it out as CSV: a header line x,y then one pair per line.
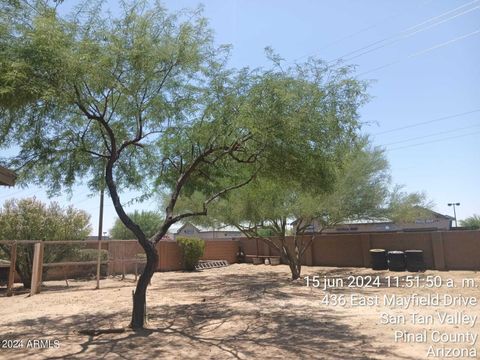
x,y
238,312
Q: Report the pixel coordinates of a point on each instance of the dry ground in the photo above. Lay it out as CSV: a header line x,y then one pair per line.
x,y
238,312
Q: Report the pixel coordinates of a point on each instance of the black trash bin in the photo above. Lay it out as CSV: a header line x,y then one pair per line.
x,y
414,260
396,261
379,259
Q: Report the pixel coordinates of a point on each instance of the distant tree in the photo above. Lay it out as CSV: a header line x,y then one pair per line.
x,y
147,220
30,219
472,222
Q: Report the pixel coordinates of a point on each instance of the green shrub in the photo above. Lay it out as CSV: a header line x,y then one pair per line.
x,y
30,219
91,255
192,251
265,232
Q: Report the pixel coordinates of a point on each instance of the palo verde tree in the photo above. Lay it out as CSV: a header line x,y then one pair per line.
x,y
316,107
30,219
265,209
360,191
144,101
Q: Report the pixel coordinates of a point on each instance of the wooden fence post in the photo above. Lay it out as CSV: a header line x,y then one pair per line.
x,y
37,268
11,273
123,261
40,266
99,258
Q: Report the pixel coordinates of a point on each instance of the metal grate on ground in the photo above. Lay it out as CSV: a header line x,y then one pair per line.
x,y
211,264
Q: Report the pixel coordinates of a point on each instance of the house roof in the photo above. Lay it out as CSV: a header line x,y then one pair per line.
x,y
385,220
184,226
7,177
442,215
204,230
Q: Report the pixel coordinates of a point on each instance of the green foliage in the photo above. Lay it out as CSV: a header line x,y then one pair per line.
x,y
265,232
149,221
146,98
155,77
149,91
359,190
30,219
90,255
403,207
192,251
472,222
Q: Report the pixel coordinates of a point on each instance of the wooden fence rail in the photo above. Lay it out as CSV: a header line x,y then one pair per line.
x,y
38,258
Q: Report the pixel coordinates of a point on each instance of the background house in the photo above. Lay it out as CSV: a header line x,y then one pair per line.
x,y
428,221
7,177
223,233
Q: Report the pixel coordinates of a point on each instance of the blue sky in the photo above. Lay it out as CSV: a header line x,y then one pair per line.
x,y
425,106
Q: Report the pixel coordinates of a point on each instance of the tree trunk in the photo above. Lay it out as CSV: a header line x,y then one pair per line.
x,y
296,270
139,297
293,262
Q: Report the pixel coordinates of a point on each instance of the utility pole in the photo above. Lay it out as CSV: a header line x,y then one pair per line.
x,y
100,228
454,212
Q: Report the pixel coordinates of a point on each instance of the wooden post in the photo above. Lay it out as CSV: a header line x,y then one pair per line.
x,y
40,266
11,273
35,268
108,259
100,232
123,261
114,262
99,259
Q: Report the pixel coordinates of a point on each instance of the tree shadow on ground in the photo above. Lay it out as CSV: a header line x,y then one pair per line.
x,y
236,287
73,285
237,316
205,331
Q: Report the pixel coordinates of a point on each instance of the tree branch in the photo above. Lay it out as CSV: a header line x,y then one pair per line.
x,y
173,219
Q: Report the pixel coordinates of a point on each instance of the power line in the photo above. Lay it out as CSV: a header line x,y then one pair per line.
x,y
433,134
26,191
421,52
362,30
433,141
406,33
428,122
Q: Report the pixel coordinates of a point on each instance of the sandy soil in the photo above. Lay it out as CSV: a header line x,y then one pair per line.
x,y
239,312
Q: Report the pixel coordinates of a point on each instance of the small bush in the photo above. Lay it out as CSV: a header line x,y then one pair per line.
x,y
192,251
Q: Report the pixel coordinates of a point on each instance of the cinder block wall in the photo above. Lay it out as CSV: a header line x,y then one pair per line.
x,y
170,253
442,250
447,250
